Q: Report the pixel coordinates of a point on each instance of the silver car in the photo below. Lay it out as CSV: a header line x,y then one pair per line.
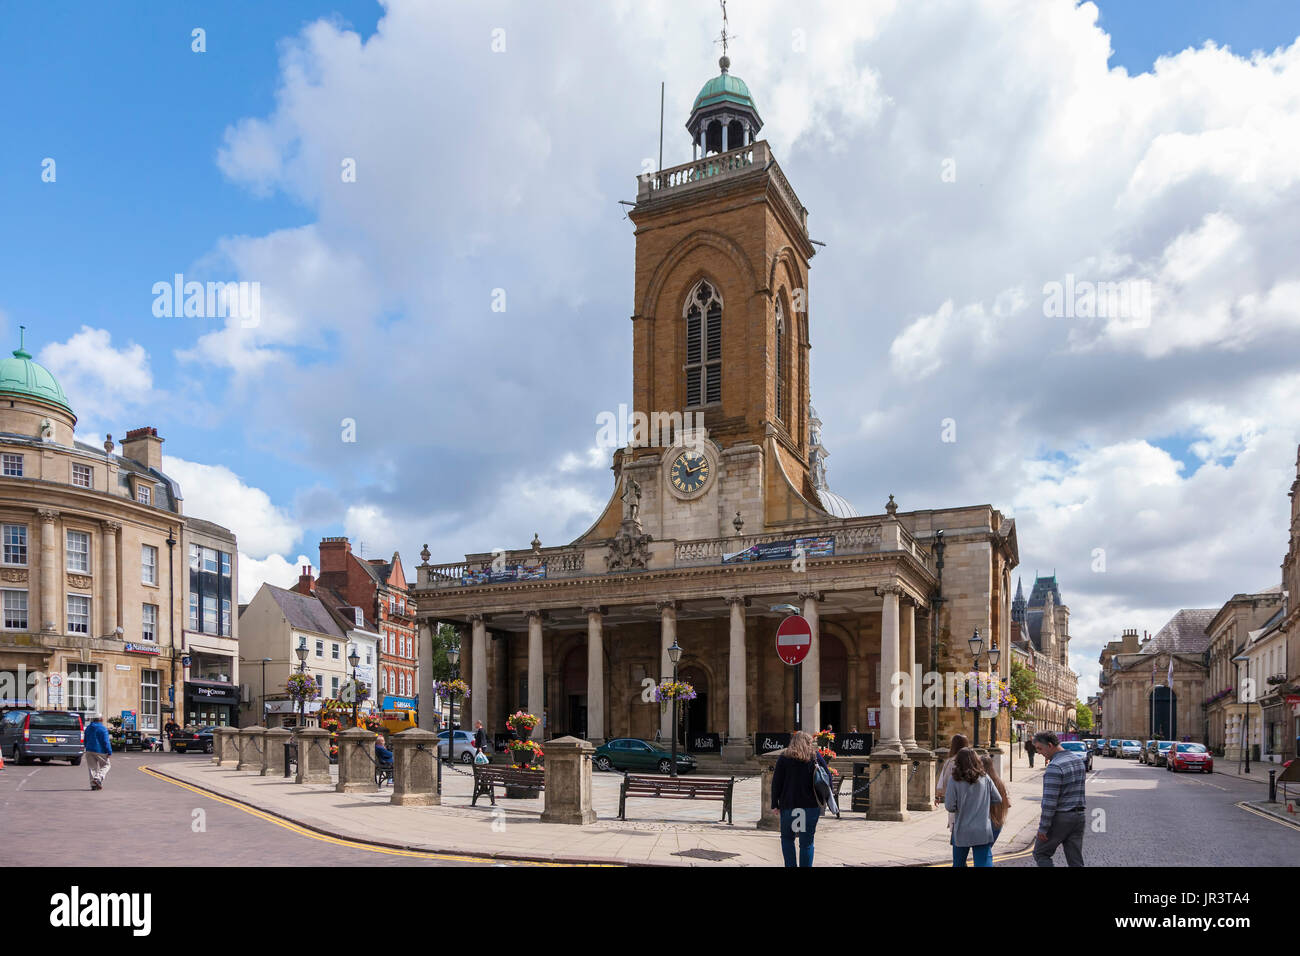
x,y
1130,748
464,745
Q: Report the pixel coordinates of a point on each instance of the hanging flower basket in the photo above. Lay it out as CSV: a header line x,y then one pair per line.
x,y
453,688
674,690
523,753
522,724
302,687
824,738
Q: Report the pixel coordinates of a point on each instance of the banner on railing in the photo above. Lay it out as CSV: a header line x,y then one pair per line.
x,y
514,572
822,546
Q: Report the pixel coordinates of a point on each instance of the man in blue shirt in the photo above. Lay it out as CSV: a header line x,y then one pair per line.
x,y
382,754
98,750
1064,804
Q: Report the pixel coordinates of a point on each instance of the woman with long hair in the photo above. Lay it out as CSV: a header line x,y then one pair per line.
x,y
969,795
794,797
998,811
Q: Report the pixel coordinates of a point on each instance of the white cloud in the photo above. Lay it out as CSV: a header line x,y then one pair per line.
x,y
215,493
99,380
273,570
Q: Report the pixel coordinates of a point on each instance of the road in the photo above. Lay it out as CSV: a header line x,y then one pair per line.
x,y
1151,817
51,817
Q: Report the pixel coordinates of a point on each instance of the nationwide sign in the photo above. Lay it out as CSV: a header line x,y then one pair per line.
x,y
818,547
142,648
793,639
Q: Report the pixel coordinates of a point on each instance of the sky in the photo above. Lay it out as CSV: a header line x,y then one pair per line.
x,y
958,157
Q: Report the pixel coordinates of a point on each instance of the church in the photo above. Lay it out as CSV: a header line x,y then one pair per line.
x,y
709,533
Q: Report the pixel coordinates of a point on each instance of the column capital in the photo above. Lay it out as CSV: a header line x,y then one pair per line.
x,y
817,596
662,606
479,618
884,589
735,599
112,527
47,514
600,609
538,613
909,599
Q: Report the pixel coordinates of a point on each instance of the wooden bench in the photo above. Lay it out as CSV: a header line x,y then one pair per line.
x,y
676,788
487,778
383,774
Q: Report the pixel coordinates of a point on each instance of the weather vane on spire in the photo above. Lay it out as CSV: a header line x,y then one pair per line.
x,y
725,38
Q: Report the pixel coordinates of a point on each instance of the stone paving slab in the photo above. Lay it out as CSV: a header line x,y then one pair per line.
x,y
658,832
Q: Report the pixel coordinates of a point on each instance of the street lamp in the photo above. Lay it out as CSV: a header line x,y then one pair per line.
x,y
674,655
976,644
354,658
301,651
1245,744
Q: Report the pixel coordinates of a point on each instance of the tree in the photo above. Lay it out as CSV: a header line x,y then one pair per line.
x,y
1025,690
446,636
1082,715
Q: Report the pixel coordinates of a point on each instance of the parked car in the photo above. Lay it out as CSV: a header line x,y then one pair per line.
x,y
1097,745
1112,747
1149,745
1129,748
1155,752
28,734
1081,748
463,746
1190,757
193,741
630,753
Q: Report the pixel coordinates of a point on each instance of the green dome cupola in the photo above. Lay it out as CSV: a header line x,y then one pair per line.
x,y
20,377
724,116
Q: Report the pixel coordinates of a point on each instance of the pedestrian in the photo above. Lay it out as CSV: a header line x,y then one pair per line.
x,y
794,797
970,795
959,743
382,753
1030,750
171,728
480,736
998,811
1064,803
853,729
98,750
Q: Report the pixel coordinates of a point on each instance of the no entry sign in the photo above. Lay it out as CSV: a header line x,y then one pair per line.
x,y
793,639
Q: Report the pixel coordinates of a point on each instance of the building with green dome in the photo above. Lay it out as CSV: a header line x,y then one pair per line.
x,y
99,613
724,116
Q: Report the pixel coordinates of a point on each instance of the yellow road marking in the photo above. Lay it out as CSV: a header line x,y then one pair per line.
x,y
1267,816
339,841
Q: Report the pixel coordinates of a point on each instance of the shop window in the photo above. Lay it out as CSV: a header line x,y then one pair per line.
x,y
83,689
150,708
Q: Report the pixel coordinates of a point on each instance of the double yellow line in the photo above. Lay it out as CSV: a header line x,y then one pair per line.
x,y
1269,816
339,841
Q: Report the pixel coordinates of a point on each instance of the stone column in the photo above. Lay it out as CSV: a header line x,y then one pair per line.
x,y
568,781
225,746
737,746
428,701
704,140
812,667
414,773
768,819
356,761
726,126
535,674
595,677
108,587
478,690
907,714
273,751
50,589
667,638
889,739
313,755
250,748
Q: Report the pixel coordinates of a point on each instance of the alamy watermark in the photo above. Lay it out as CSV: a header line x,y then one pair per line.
x,y
212,300
1083,299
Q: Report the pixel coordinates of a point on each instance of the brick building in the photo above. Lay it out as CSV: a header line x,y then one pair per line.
x,y
709,529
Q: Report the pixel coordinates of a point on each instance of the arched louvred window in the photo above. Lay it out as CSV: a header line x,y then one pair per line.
x,y
703,315
782,392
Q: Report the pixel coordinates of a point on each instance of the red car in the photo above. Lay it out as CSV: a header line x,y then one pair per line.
x,y
1190,757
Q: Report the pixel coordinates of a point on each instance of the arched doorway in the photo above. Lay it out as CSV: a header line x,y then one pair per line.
x,y
693,718
834,683
573,692
1162,704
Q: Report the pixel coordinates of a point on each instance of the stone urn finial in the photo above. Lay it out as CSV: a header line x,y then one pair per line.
x,y
738,522
537,543
424,554
891,509
108,444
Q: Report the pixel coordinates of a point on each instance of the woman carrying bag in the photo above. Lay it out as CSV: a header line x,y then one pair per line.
x,y
970,794
800,773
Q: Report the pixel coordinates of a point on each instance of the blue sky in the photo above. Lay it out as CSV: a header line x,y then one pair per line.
x,y
174,161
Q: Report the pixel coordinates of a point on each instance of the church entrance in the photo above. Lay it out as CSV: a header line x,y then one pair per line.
x,y
693,718
834,684
574,692
1164,714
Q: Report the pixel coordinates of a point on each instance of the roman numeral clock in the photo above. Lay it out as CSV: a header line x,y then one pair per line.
x,y
689,471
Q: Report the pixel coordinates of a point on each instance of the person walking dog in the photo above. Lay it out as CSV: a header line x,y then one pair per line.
x,y
793,794
1064,802
970,794
98,750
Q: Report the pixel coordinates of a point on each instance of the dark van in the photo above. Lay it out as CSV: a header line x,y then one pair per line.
x,y
27,735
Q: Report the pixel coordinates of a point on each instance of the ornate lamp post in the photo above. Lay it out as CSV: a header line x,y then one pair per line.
x,y
354,658
1248,694
976,644
674,655
301,651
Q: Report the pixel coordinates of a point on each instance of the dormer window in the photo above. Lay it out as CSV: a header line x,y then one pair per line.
x,y
144,494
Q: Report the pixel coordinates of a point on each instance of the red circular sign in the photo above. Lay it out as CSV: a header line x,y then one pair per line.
x,y
793,639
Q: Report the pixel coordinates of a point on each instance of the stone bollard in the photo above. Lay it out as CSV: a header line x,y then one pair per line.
x,y
768,819
225,746
356,761
999,758
273,751
415,776
313,755
920,782
889,770
568,781
250,748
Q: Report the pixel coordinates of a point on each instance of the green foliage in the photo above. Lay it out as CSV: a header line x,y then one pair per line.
x,y
1025,689
1082,715
444,637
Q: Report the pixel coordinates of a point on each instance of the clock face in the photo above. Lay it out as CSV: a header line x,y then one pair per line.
x,y
690,472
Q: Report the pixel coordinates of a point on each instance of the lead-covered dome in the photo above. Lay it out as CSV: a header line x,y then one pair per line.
x,y
21,377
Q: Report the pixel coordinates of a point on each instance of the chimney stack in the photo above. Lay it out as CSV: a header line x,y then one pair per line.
x,y
306,583
334,555
144,445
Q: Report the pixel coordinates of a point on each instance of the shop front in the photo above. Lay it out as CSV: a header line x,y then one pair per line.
x,y
210,704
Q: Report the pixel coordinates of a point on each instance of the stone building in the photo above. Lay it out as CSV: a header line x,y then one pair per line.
x,y
113,599
713,526
1041,629
1290,626
1229,636
1141,698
